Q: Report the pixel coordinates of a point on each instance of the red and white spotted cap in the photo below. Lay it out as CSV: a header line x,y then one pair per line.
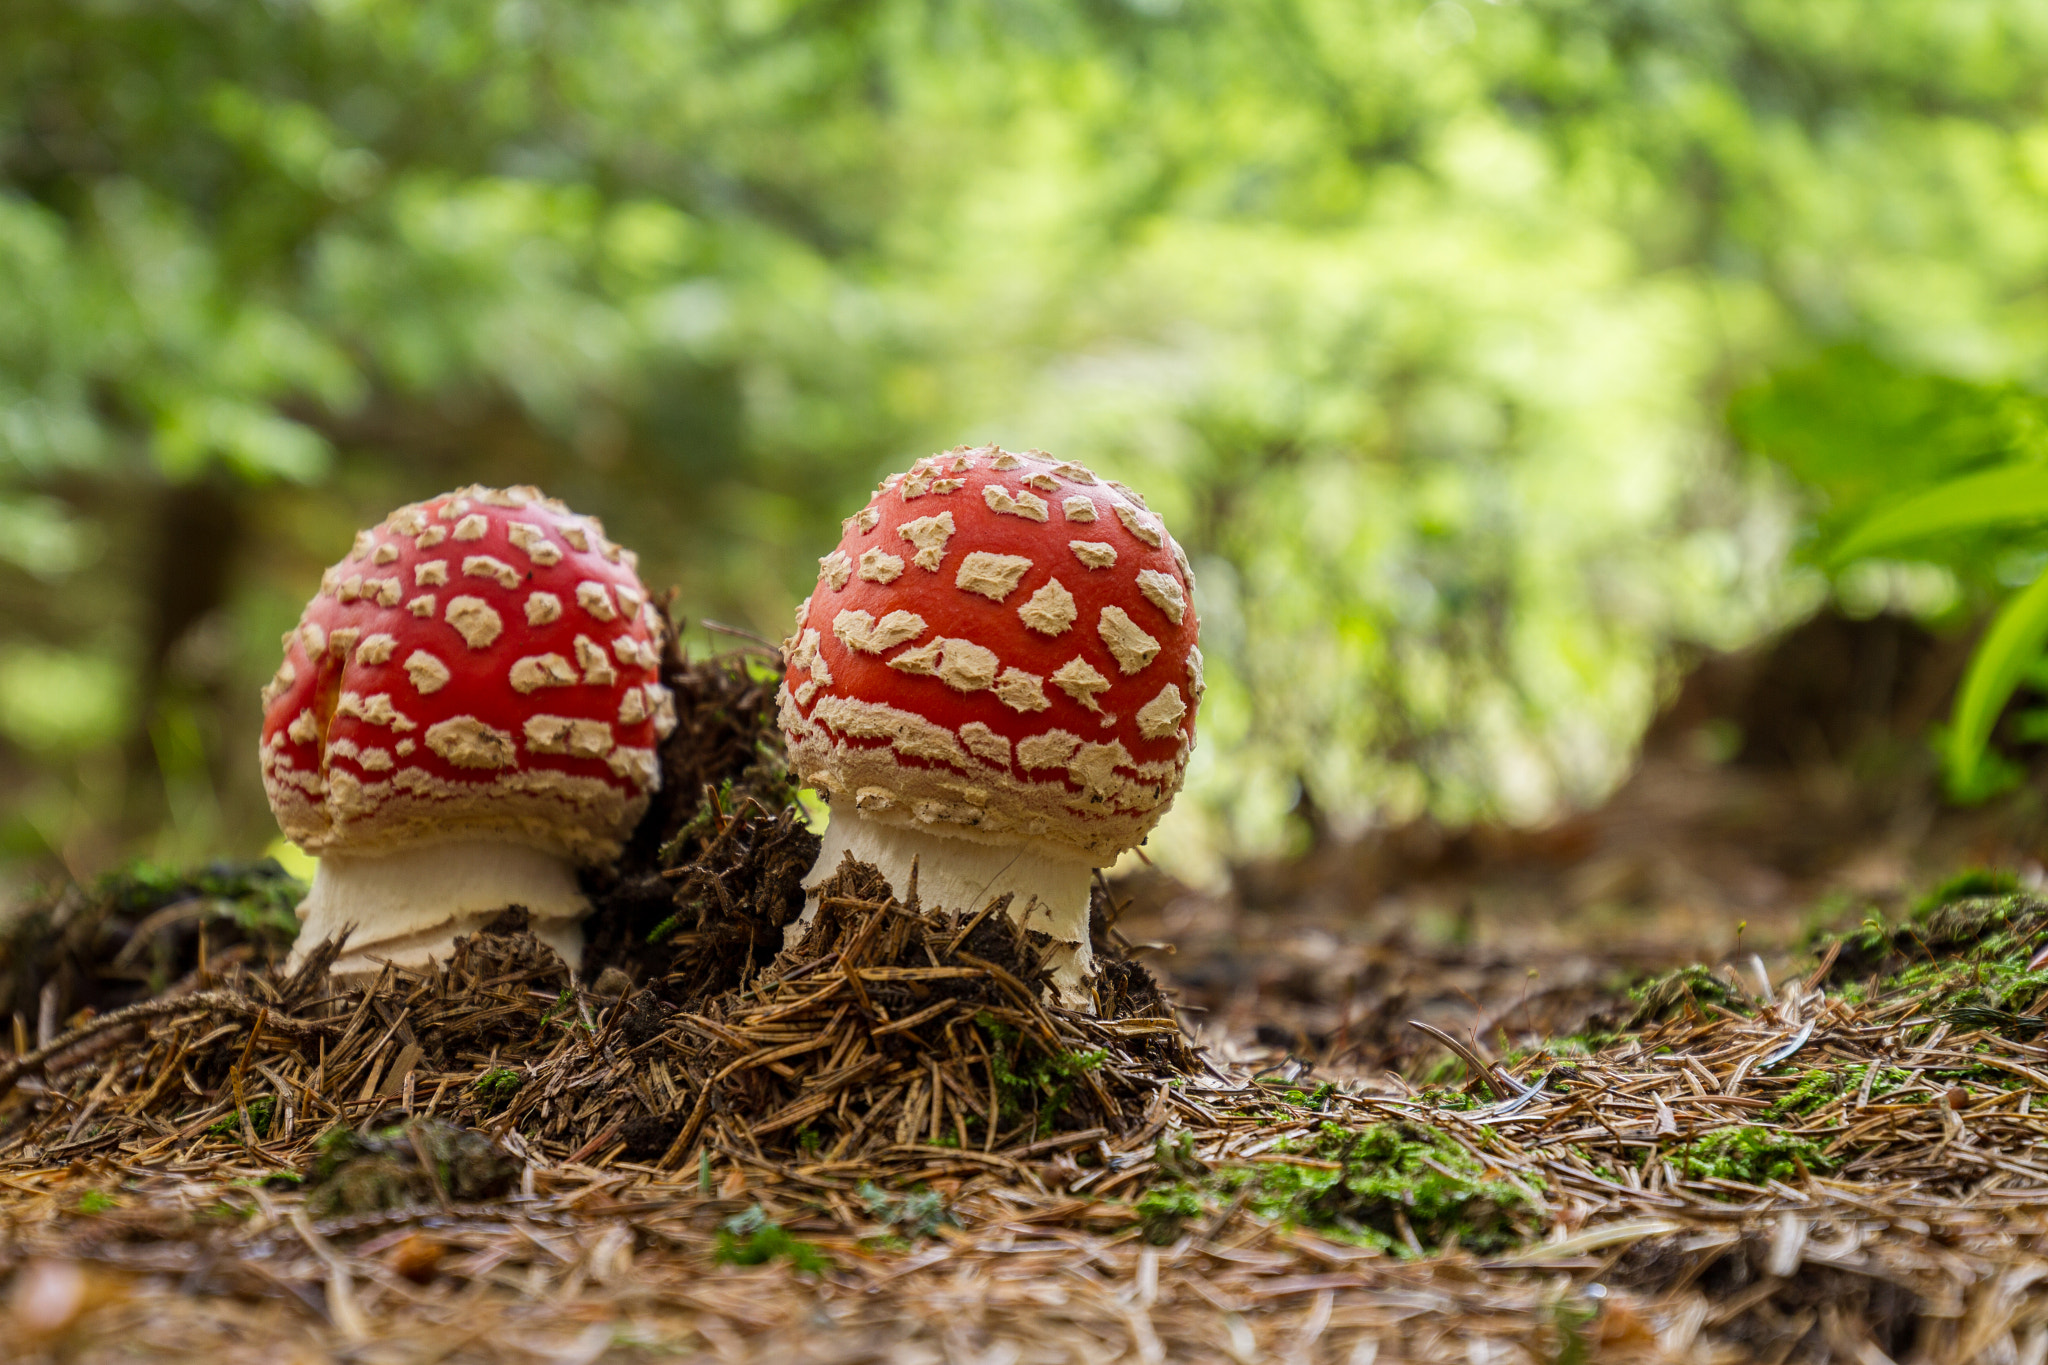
x,y
1001,650
482,669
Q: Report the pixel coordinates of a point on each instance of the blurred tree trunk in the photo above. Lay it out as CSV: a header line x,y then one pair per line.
x,y
197,533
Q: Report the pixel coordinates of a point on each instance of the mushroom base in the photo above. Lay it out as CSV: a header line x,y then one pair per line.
x,y
1049,893
410,905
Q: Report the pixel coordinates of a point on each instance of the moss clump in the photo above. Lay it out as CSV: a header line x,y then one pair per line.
x,y
497,1087
261,1111
752,1238
1287,1092
1457,1100
1749,1155
1032,1083
1972,883
1376,1180
563,1013
259,898
1992,992
1819,1088
133,932
1948,949
356,1172
1979,926
1164,1211
1174,1155
1967,960
1687,989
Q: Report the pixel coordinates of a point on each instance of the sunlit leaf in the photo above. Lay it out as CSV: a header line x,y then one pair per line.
x,y
2007,650
2009,496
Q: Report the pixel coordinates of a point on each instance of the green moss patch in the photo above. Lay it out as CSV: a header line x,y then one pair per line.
x,y
496,1087
1032,1082
1968,961
1982,925
910,1217
1394,1186
133,932
1819,1089
1749,1155
261,1111
752,1238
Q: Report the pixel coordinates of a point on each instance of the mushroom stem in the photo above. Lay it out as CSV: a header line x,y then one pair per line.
x,y
1049,891
409,905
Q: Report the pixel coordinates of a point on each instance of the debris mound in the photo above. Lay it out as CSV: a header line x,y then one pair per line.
x,y
890,1042
728,906
891,1038
264,1065
1747,1166
1840,1163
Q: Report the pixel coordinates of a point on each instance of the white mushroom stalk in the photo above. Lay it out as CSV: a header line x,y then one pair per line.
x,y
408,905
996,679
1049,887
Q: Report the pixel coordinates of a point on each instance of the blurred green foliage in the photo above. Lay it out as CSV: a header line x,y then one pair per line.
x,y
1422,323
1935,488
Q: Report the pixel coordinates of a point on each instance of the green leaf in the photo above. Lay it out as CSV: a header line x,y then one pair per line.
x,y
2002,659
1997,497
248,437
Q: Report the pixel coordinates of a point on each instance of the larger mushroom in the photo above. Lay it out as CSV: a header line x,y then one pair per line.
x,y
996,678
468,710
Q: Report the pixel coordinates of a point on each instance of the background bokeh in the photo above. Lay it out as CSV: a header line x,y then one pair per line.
x,y
1490,359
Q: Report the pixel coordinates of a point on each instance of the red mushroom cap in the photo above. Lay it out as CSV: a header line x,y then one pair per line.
x,y
483,664
1004,644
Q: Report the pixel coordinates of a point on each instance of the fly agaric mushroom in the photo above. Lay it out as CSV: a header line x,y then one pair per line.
x,y
468,709
996,677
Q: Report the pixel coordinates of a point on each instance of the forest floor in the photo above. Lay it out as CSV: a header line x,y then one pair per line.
x,y
1717,1072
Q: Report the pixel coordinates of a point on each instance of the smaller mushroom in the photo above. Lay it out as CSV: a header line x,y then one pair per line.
x,y
996,681
467,711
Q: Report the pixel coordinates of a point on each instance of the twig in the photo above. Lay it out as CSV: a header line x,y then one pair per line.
x,y
1497,1081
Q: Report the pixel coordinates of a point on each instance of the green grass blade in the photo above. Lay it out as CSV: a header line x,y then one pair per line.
x,y
1997,497
2002,659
